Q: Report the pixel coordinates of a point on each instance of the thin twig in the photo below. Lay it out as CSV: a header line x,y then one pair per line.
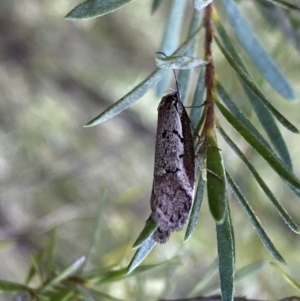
x,y
219,298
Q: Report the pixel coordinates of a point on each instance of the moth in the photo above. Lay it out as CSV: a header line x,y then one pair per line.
x,y
174,167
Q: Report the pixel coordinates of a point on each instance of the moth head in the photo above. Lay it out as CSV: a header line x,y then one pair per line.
x,y
168,101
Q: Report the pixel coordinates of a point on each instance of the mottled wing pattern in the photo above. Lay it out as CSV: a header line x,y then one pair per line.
x,y
173,183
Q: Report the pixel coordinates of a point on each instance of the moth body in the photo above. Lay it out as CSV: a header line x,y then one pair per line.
x,y
174,168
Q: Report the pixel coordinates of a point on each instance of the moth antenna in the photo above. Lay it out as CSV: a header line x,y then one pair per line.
x,y
175,76
177,85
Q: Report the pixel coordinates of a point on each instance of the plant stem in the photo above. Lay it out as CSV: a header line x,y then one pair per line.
x,y
210,69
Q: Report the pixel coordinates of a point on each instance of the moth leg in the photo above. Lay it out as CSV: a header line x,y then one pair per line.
x,y
214,174
161,236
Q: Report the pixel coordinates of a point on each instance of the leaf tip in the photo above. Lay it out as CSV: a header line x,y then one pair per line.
x,y
147,232
68,17
93,122
280,259
219,219
186,237
129,269
137,243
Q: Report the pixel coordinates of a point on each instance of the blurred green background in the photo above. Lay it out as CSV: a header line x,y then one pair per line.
x,y
55,76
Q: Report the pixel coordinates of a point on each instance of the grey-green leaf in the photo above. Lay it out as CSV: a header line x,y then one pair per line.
x,y
184,75
254,89
285,5
179,62
255,221
282,212
243,121
97,230
139,90
205,279
95,8
171,38
117,275
86,296
130,98
155,5
256,52
249,269
236,112
195,208
141,254
263,113
146,233
226,253
200,4
198,100
266,153
71,269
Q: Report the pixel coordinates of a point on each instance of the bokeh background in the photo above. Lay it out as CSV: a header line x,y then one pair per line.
x,y
55,76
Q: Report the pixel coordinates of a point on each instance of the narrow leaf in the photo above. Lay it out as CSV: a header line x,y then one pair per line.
x,y
96,274
51,251
263,113
184,75
64,274
256,52
239,275
173,27
83,292
286,276
179,62
97,231
104,296
280,20
146,233
139,90
208,275
249,270
200,4
216,185
285,5
35,269
255,221
171,38
155,5
111,276
116,275
282,212
254,89
226,253
7,286
195,208
141,254
266,153
198,99
62,295
95,8
130,98
243,121
236,112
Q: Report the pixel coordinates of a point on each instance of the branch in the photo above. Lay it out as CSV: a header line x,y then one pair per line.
x,y
219,298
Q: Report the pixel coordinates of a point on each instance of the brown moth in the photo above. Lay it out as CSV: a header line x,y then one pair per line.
x,y
174,167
